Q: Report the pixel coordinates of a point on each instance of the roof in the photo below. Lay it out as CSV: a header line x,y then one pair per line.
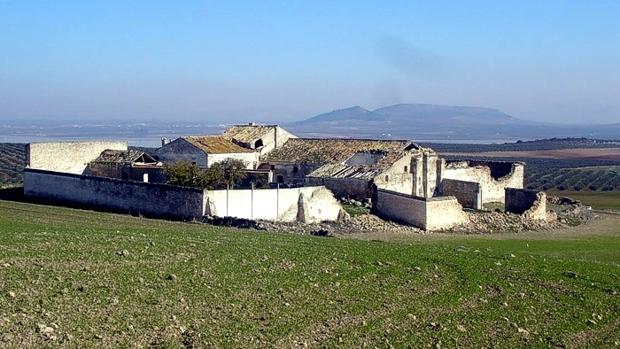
x,y
123,156
346,171
248,133
334,150
216,144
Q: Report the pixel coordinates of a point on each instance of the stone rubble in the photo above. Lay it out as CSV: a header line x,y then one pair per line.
x,y
562,211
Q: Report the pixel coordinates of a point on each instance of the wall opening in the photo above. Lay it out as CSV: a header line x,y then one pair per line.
x,y
258,143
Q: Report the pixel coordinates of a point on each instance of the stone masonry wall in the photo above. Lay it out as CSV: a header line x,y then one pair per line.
x,y
438,213
67,157
492,187
468,194
531,204
153,200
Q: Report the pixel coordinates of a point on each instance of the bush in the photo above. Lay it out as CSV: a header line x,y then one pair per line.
x,y
221,175
185,174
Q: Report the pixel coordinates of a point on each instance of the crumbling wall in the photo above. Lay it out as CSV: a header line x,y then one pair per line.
x,y
351,188
468,194
531,204
398,177
67,157
318,204
153,200
438,213
294,174
489,175
443,213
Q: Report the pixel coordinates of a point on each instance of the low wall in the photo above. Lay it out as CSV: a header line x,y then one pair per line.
x,y
148,199
306,204
67,157
437,213
531,204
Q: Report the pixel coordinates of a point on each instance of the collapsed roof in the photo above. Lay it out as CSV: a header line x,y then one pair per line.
x,y
333,155
124,157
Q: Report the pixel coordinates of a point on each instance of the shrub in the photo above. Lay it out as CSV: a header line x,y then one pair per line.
x,y
221,175
185,174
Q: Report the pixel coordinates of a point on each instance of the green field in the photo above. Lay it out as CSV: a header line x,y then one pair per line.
x,y
598,200
84,279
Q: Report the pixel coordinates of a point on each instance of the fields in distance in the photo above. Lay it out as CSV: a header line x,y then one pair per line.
x,y
97,280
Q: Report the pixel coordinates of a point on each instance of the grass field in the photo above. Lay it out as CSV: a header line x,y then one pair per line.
x,y
84,279
598,200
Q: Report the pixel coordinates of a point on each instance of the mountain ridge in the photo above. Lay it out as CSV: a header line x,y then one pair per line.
x,y
440,122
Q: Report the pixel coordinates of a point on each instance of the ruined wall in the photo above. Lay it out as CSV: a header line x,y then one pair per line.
x,y
400,208
444,213
294,174
155,174
180,149
275,139
273,204
67,157
153,200
398,177
249,159
468,194
494,177
352,188
531,204
427,213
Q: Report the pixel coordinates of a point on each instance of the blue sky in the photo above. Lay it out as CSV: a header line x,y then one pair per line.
x,y
284,60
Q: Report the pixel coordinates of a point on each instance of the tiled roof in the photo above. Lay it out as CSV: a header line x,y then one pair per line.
x,y
346,171
332,155
248,133
333,150
122,156
216,144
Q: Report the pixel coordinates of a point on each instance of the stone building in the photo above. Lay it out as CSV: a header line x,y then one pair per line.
x,y
262,138
349,167
131,164
206,150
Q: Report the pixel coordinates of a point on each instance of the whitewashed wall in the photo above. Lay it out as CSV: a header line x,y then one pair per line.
x,y
273,204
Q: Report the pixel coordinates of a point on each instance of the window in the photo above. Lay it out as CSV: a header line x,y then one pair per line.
x,y
280,179
406,169
387,178
273,167
295,169
258,143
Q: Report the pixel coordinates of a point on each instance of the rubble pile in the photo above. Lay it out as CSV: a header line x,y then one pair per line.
x,y
569,211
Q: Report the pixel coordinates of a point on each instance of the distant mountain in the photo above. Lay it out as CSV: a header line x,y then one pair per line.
x,y
414,112
440,122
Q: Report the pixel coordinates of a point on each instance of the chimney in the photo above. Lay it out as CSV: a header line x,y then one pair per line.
x,y
164,141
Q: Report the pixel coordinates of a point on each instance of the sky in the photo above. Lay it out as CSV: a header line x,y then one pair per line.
x,y
552,61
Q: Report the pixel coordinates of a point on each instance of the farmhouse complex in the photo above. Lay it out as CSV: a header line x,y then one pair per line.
x,y
306,178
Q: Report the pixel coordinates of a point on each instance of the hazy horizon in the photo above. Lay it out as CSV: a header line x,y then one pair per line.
x,y
270,61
